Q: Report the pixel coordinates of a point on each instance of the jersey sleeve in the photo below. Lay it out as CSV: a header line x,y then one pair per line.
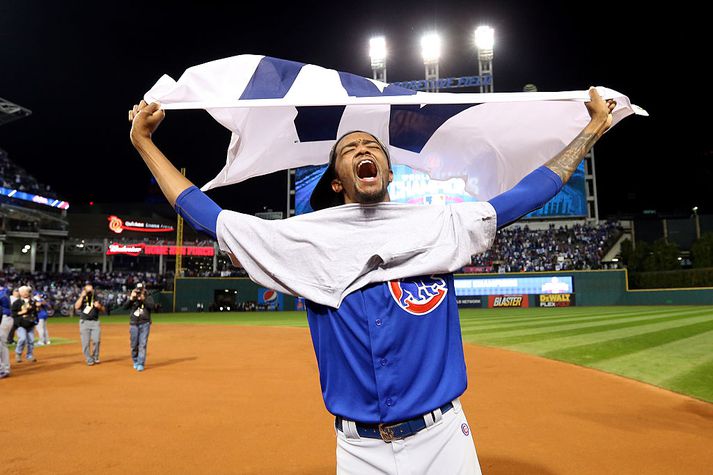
x,y
199,210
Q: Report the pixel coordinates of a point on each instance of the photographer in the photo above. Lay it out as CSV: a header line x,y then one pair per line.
x,y
140,305
88,306
25,314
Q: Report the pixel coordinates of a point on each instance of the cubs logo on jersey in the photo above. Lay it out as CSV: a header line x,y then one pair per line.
x,y
419,295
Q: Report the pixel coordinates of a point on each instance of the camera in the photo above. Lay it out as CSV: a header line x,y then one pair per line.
x,y
140,289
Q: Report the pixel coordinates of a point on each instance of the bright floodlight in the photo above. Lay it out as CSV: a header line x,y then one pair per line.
x,y
377,49
484,38
431,47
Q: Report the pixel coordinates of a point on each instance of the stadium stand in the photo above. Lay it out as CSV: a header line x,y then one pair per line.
x,y
521,249
16,178
62,290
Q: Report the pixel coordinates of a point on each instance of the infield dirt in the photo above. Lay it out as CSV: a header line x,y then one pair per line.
x,y
246,400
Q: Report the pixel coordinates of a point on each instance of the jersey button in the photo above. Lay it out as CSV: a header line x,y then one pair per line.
x,y
389,402
384,361
378,322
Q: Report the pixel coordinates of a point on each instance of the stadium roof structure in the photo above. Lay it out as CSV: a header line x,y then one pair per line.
x,y
29,214
10,111
16,212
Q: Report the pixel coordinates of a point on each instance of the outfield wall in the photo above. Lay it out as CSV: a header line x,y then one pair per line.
x,y
191,291
606,287
590,288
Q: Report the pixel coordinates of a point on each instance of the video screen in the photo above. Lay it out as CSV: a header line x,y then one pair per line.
x,y
411,186
514,286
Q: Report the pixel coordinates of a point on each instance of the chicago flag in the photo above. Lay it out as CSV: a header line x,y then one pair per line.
x,y
285,114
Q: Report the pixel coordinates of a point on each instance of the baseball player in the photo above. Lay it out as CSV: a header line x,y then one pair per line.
x,y
43,337
377,278
6,323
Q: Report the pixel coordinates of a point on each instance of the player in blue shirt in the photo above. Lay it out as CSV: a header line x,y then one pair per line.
x,y
390,355
43,337
6,323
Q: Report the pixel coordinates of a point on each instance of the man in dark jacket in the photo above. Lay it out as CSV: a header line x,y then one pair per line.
x,y
140,305
88,307
25,314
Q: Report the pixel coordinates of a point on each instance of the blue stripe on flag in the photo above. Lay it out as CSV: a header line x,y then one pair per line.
x,y
411,126
357,86
318,122
272,79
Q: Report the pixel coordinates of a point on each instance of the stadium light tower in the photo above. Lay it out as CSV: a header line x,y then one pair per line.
x,y
377,53
431,52
697,221
484,43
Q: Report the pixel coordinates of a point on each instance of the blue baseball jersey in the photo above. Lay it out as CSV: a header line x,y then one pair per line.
x,y
391,351
5,304
42,313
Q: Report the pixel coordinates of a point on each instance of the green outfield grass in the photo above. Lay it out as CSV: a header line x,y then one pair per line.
x,y
54,342
670,347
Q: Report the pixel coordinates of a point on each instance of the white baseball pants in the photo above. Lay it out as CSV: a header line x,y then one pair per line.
x,y
43,336
6,323
445,446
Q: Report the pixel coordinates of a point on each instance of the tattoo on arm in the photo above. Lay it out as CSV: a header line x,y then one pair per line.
x,y
566,162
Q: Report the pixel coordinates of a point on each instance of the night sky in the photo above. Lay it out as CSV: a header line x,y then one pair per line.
x,y
79,66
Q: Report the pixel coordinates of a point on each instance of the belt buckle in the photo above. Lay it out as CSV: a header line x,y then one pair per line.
x,y
386,432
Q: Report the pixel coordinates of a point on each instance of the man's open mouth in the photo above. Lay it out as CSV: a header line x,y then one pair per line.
x,y
366,170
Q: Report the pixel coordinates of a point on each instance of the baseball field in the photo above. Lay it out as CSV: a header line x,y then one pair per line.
x,y
551,391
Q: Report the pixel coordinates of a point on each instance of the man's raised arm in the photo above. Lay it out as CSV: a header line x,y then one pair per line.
x,y
600,112
145,119
541,185
192,204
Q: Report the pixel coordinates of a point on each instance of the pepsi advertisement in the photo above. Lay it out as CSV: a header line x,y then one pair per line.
x,y
411,186
271,299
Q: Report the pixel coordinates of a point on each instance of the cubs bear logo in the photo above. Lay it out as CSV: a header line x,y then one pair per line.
x,y
419,295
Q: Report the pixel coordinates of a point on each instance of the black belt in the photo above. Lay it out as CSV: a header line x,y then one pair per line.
x,y
389,432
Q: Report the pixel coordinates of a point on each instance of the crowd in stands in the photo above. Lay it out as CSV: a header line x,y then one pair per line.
x,y
62,290
521,249
228,272
15,177
516,249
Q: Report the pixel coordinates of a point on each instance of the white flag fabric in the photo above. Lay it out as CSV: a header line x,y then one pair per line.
x,y
285,114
